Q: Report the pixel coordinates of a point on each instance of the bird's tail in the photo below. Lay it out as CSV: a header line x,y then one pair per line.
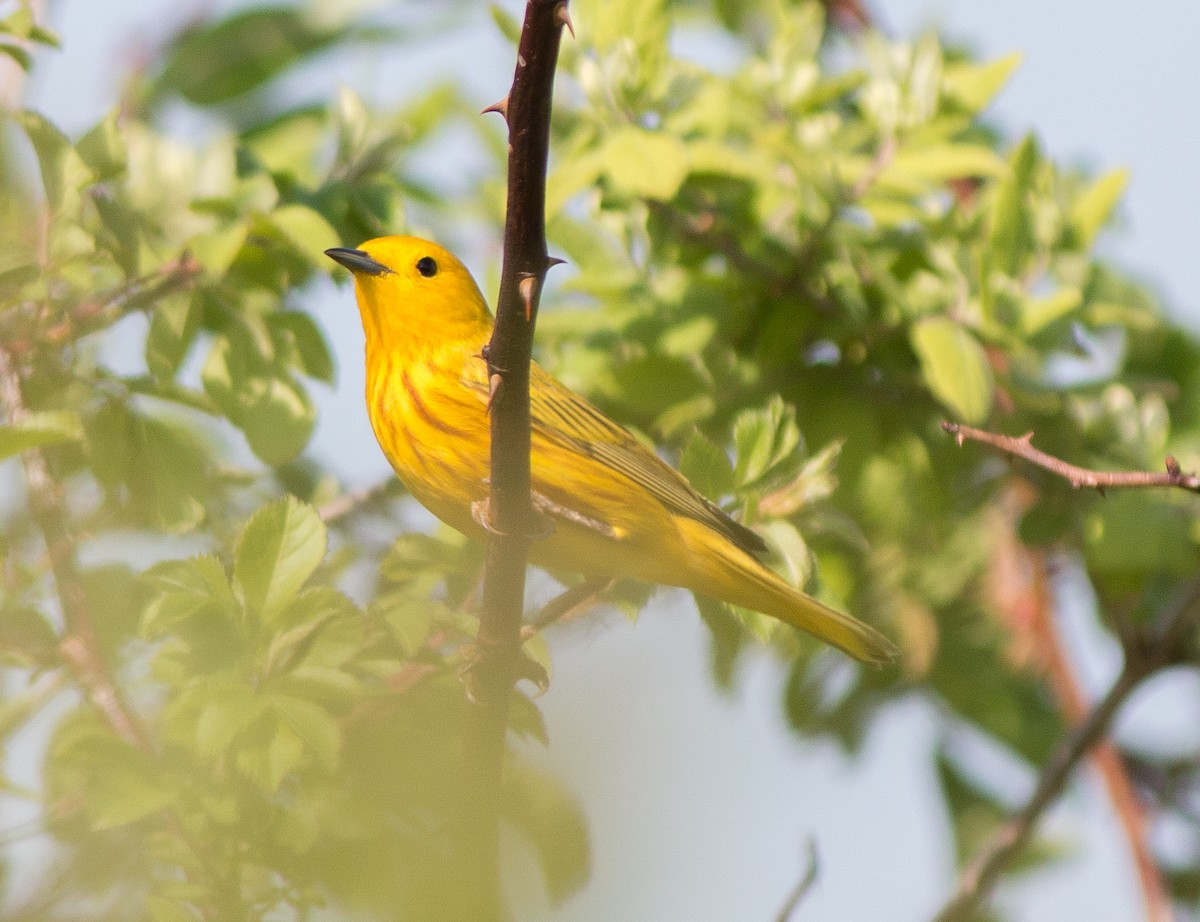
x,y
725,572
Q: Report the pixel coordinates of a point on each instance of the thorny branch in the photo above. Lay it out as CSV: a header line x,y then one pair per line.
x,y
1022,447
1145,654
508,513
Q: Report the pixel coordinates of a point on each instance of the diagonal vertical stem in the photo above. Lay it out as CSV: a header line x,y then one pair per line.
x,y
509,511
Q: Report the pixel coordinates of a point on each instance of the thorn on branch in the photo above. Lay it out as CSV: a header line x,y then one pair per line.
x,y
528,288
500,106
563,17
1078,477
552,261
495,392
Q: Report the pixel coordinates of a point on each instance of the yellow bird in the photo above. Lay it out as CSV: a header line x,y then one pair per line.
x,y
616,508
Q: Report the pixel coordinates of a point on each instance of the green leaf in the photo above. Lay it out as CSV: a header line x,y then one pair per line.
x,y
104,149
282,546
314,725
707,467
278,418
227,711
185,588
974,85
954,366
126,785
173,325
763,439
305,230
1039,313
645,164
62,169
941,162
38,429
301,332
1093,207
1010,236
23,58
267,763
26,638
538,804
409,621
263,41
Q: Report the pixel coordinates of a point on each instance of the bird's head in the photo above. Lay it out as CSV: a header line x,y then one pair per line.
x,y
409,290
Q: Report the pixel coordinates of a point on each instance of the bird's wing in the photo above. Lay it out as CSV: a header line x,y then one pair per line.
x,y
562,416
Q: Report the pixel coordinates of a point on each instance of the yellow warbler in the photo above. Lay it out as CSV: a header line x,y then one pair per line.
x,y
615,508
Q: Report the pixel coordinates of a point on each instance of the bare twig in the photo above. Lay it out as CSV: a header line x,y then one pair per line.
x,y
1144,656
1073,704
79,646
1022,447
509,512
28,326
355,501
812,869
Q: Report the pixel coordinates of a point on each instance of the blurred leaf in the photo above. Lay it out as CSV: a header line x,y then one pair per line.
x,y
1094,206
306,230
282,546
264,41
706,466
645,164
955,367
1011,233
38,429
538,805
974,85
763,439
1039,313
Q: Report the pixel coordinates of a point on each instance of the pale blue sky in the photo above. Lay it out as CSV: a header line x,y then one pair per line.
x,y
700,804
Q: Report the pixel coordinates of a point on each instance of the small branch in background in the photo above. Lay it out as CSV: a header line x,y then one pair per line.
x,y
79,646
1072,703
356,501
982,875
812,870
1022,447
1145,654
26,327
508,512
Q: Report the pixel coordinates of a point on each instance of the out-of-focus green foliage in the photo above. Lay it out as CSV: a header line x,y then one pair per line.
x,y
786,274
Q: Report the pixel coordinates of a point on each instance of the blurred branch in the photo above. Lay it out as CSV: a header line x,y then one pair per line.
x,y
508,511
27,326
812,869
1107,760
356,501
79,646
1145,654
1022,447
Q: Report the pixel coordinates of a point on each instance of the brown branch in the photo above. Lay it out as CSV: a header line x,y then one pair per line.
x,y
79,647
1144,656
27,326
508,512
355,501
1022,447
1072,702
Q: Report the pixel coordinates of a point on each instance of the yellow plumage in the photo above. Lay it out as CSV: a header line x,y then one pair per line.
x,y
616,508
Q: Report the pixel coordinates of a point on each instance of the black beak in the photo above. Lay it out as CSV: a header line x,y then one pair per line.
x,y
357,261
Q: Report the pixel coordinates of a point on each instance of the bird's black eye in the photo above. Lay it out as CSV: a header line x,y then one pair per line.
x,y
427,266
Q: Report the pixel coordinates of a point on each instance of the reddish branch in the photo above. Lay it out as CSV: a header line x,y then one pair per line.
x,y
1073,704
509,511
79,646
1022,447
1145,654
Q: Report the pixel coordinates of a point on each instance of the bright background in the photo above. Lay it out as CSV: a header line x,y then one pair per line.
x,y
700,804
